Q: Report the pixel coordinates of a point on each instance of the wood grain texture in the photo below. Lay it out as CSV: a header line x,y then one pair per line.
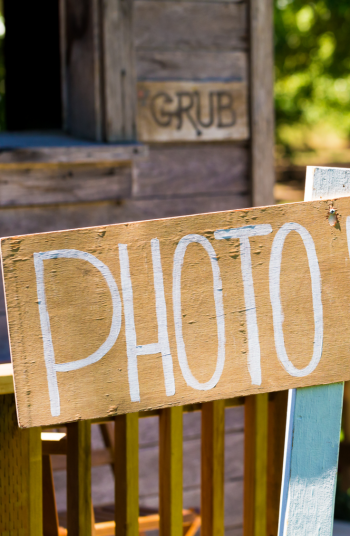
x,y
21,220
81,319
314,461
191,65
192,111
64,184
255,466
126,475
69,153
261,95
20,475
79,479
192,169
213,468
81,61
119,79
170,472
190,26
314,415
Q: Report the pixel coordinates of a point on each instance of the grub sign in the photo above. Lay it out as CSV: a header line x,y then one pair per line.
x,y
189,111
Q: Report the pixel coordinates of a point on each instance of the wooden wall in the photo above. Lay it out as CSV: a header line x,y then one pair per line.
x,y
177,40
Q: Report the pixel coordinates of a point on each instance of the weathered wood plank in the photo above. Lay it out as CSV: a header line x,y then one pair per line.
x,y
29,155
190,26
126,475
311,461
20,475
186,169
213,468
192,65
119,85
81,60
170,472
64,184
261,95
151,324
314,417
36,219
255,465
192,111
79,478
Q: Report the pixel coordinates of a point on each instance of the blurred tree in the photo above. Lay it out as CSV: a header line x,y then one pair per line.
x,y
312,66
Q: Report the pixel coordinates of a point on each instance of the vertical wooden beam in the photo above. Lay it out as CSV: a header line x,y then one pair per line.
x,y
213,468
255,465
81,67
311,460
126,470
277,414
79,478
20,474
170,472
119,74
50,517
313,421
262,107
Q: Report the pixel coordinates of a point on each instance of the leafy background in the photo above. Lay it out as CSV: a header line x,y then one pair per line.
x,y
312,81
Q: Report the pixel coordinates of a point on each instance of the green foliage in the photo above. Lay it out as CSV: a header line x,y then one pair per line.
x,y
312,66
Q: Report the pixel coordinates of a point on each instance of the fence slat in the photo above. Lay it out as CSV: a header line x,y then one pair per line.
x,y
313,421
311,460
255,465
170,472
213,467
126,470
79,478
20,474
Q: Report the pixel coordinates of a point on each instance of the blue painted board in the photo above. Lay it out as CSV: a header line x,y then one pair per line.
x,y
313,421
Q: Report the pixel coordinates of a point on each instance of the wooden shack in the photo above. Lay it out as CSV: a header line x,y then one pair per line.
x,y
124,110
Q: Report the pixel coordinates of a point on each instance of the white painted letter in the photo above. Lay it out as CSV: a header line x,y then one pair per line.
x,y
162,346
177,268
244,233
275,273
51,367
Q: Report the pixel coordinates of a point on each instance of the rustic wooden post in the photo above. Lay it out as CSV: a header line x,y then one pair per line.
x,y
98,69
79,478
20,474
170,472
255,465
126,472
213,468
314,419
261,104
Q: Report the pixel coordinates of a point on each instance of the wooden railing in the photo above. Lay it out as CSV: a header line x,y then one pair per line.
x,y
25,462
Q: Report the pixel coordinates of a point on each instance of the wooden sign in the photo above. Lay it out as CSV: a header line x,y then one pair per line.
x,y
134,316
192,111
